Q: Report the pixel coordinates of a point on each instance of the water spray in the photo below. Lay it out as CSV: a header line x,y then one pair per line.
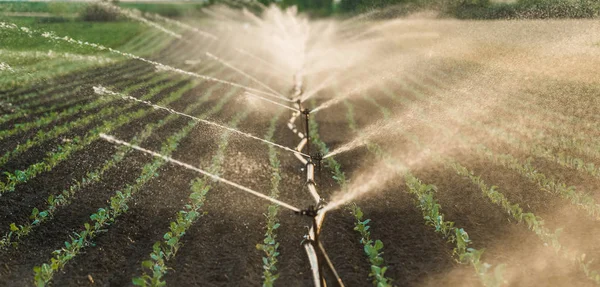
x,y
191,167
104,91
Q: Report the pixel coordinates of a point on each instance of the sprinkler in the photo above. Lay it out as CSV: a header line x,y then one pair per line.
x,y
311,211
306,113
317,158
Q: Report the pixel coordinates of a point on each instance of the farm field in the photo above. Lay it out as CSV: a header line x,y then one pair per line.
x,y
454,152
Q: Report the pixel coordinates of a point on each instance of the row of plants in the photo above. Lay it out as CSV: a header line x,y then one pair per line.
x,y
43,71
24,111
567,129
155,268
147,46
118,203
559,157
49,68
105,216
53,116
28,92
58,67
372,248
63,152
141,41
270,246
579,199
162,251
527,170
147,80
433,217
63,198
38,101
534,223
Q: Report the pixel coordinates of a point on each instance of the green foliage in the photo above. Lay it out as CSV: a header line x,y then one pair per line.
x,y
534,223
434,217
109,34
166,9
371,248
155,268
270,245
578,199
103,217
98,13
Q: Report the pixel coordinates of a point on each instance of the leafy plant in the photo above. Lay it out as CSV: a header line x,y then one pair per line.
x,y
270,245
164,250
371,248
432,214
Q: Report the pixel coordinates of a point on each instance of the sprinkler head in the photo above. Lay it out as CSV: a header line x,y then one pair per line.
x,y
317,157
311,211
322,203
306,111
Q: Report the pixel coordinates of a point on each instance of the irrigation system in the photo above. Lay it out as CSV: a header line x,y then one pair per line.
x,y
315,250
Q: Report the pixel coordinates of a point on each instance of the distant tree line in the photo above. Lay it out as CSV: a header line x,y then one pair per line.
x,y
467,9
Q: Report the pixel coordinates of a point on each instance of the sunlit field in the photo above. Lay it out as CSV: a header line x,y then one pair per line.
x,y
246,145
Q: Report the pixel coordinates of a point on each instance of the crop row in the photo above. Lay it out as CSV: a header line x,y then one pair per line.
x,y
58,130
270,246
64,94
537,114
537,150
163,251
63,198
567,129
64,151
433,216
118,203
45,71
534,223
371,248
527,170
28,93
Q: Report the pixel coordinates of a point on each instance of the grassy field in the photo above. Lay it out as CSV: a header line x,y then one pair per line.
x,y
465,152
